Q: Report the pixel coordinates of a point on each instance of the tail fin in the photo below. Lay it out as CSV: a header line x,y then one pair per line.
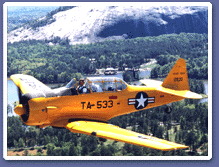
x,y
177,79
177,82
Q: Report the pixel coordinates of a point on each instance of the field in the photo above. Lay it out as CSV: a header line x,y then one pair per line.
x,y
21,152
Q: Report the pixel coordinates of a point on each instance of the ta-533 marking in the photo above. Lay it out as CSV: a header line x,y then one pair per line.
x,y
99,104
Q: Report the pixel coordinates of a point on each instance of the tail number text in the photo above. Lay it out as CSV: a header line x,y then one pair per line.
x,y
99,104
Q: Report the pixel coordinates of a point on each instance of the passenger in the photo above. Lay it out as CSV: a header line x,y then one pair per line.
x,y
96,88
110,88
81,87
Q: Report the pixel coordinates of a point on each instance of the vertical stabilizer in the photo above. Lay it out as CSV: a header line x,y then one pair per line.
x,y
177,79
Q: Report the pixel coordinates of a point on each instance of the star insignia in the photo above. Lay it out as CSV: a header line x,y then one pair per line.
x,y
141,100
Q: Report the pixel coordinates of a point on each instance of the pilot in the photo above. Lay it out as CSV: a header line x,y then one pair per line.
x,y
81,87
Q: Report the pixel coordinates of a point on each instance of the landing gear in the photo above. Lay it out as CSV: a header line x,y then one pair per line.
x,y
102,139
168,109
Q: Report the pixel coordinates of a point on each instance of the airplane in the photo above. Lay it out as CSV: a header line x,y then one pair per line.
x,y
88,111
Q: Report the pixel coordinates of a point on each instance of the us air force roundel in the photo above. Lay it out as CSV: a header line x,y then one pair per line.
x,y
141,100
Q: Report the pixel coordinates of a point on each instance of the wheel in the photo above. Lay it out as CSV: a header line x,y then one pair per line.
x,y
168,110
102,139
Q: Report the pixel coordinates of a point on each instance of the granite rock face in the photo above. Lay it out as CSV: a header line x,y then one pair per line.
x,y
92,24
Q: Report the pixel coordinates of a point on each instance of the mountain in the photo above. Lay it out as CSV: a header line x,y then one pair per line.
x,y
29,10
18,15
83,24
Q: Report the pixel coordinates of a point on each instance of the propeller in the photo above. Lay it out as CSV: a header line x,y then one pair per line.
x,y
23,108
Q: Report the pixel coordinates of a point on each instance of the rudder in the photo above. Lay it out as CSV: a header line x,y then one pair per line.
x,y
177,78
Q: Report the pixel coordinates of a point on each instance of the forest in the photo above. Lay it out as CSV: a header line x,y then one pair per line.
x,y
197,67
186,124
61,62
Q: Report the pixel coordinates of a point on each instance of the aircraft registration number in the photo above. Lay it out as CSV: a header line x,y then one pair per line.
x,y
98,104
178,79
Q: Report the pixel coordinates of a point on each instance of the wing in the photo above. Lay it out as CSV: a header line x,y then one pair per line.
x,y
29,84
113,132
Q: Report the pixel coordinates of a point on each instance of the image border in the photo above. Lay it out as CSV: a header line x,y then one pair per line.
x,y
110,157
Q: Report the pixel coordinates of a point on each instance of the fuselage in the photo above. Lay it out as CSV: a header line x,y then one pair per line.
x,y
98,106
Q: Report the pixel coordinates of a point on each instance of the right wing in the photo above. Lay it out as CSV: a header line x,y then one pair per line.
x,y
151,82
113,132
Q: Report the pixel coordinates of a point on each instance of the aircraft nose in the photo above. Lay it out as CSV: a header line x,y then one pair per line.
x,y
20,110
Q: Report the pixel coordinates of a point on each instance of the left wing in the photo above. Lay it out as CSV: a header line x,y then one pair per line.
x,y
29,84
113,132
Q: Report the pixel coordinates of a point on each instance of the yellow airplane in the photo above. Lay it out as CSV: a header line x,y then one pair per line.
x,y
87,109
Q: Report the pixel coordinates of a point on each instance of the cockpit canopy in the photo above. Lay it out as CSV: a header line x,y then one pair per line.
x,y
72,84
99,84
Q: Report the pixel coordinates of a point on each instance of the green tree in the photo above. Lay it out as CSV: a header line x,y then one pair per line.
x,y
96,152
65,151
55,141
84,150
104,151
26,152
21,143
40,150
154,126
102,60
73,150
57,151
50,149
191,139
204,139
183,123
155,72
127,77
137,150
127,147
159,132
92,143
167,135
46,139
9,109
15,144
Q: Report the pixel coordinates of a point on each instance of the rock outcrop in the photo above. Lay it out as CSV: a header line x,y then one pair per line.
x,y
91,24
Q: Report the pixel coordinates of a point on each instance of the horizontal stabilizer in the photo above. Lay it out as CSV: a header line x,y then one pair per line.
x,y
183,93
176,82
108,131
